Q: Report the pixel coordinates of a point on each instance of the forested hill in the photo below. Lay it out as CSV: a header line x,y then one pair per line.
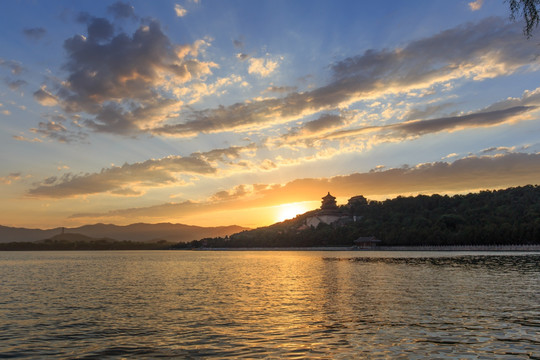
x,y
510,216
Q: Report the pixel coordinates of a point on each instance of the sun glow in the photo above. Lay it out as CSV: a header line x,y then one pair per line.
x,y
289,211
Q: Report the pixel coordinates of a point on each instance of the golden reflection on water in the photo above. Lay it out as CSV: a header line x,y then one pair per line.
x,y
267,304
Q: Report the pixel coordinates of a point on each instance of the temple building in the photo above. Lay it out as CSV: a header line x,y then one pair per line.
x,y
366,242
329,213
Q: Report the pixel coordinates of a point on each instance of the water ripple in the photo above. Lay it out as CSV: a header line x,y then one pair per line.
x,y
231,305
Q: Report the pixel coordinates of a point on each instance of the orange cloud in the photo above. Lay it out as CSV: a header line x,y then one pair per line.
x,y
484,172
129,179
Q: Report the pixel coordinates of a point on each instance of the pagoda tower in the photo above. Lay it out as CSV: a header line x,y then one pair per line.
x,y
328,202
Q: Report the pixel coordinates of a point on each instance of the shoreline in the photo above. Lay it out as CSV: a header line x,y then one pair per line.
x,y
449,248
492,248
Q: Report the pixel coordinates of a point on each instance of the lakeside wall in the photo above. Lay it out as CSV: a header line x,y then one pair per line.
x,y
461,248
502,248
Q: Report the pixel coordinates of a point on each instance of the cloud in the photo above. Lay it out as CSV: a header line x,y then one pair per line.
x,y
314,128
449,156
466,174
15,84
45,98
100,29
14,66
34,33
7,180
57,131
128,179
124,83
126,192
461,175
23,138
262,67
281,89
479,119
426,112
242,56
225,154
486,49
193,93
473,51
324,122
121,10
529,98
117,179
476,5
179,10
422,127
235,193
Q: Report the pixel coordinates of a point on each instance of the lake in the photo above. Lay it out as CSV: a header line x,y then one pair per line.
x,y
269,304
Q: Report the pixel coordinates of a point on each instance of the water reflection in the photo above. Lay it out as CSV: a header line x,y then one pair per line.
x,y
498,262
268,304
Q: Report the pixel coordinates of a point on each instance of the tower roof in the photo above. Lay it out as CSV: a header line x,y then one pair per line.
x,y
329,197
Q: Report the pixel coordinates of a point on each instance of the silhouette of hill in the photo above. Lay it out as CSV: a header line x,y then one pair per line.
x,y
499,217
12,234
68,237
74,241
139,232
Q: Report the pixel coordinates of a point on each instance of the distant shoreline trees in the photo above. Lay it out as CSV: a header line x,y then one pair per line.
x,y
501,217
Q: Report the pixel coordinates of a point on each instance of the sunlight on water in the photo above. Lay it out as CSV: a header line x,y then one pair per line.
x,y
269,304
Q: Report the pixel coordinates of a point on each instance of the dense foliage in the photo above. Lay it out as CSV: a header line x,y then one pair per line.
x,y
501,217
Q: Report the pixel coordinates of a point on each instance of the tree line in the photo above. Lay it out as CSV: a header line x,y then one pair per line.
x,y
94,244
501,217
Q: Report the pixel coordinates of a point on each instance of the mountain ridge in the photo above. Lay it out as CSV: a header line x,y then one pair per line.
x,y
138,232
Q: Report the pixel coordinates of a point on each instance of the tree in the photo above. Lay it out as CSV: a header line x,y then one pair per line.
x,y
529,10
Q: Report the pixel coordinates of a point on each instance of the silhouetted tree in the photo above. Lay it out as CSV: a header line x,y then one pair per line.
x,y
528,9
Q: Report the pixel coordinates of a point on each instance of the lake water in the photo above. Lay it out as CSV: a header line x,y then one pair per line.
x,y
269,304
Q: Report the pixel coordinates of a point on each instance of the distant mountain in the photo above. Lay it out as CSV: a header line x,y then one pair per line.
x,y
13,234
133,232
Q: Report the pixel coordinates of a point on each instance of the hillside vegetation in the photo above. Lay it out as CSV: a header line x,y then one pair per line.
x,y
501,217
73,241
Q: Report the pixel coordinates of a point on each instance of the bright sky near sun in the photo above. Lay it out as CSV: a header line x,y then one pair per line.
x,y
247,112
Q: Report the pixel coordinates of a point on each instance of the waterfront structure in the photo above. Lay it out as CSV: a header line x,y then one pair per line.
x,y
367,242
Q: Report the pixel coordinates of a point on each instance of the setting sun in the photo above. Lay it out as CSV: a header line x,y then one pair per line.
x,y
289,211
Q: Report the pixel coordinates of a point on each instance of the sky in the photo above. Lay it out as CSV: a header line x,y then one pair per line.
x,y
208,112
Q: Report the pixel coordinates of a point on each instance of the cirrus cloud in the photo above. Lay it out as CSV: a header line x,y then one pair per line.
x,y
473,51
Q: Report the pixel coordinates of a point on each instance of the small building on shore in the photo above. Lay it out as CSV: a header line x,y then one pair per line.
x,y
366,242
